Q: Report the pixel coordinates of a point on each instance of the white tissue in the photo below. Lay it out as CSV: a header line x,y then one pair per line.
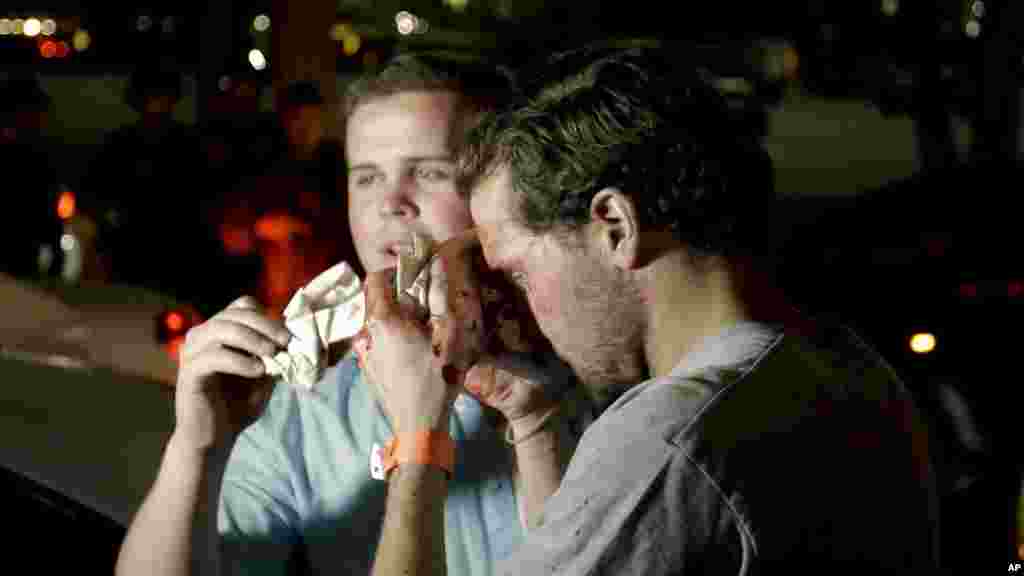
x,y
331,308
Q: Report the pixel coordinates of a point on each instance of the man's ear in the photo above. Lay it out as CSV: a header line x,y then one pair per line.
x,y
616,227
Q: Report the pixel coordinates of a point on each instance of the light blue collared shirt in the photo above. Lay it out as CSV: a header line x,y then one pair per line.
x,y
297,495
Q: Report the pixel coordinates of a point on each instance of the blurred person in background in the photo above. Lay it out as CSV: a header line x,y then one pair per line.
x,y
238,141
288,213
149,189
30,177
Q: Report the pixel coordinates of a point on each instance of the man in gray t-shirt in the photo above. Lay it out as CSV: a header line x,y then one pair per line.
x,y
738,437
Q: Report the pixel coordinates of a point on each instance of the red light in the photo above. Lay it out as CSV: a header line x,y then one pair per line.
x,y
174,321
1015,289
968,290
174,347
48,49
63,50
935,248
66,205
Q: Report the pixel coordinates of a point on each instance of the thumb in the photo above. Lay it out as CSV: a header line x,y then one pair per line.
x,y
480,379
490,382
545,372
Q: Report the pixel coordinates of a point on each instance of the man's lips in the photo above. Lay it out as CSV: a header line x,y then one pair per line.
x,y
388,252
395,249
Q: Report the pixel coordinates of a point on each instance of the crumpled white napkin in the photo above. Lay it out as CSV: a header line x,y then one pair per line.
x,y
332,308
329,309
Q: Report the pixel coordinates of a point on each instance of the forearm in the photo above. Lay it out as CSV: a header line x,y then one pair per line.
x,y
175,530
541,460
412,539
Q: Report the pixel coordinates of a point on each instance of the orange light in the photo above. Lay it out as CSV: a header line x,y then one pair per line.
x,y
174,321
66,205
174,347
48,49
281,227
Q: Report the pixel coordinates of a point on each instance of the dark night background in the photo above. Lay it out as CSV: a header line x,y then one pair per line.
x,y
895,126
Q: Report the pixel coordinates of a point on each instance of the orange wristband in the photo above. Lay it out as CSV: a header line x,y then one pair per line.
x,y
422,447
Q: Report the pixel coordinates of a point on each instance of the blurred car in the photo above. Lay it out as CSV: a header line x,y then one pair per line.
x,y
85,411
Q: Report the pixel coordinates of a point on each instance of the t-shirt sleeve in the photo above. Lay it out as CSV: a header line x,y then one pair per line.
x,y
257,517
633,502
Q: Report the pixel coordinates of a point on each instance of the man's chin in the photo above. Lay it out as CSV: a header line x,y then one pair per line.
x,y
604,394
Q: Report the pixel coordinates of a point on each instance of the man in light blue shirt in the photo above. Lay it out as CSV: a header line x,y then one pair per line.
x,y
292,485
298,481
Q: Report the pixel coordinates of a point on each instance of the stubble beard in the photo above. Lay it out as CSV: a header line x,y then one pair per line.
x,y
607,346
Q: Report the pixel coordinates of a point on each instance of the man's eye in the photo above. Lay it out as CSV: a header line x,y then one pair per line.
x,y
367,179
433,174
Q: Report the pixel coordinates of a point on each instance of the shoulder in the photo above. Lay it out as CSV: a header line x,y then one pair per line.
x,y
631,500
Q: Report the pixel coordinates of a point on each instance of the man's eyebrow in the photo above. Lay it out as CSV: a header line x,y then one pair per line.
x,y
407,159
418,159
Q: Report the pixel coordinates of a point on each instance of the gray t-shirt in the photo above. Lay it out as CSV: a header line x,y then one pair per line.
x,y
764,450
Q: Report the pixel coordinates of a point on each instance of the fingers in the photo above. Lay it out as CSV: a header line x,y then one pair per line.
x,y
255,319
231,342
490,377
245,302
488,382
221,360
217,333
437,295
242,325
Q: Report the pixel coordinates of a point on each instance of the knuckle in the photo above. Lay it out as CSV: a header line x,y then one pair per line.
x,y
192,334
246,301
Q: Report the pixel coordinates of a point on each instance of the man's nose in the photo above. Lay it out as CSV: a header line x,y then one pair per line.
x,y
397,201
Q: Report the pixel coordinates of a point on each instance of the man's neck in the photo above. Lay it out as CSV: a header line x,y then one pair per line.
x,y
686,305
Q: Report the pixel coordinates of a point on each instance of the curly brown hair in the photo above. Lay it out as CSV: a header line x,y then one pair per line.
x,y
636,119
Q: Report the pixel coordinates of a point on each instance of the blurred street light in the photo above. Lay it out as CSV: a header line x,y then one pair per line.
x,y
339,31
66,205
32,27
978,9
257,59
81,40
6,27
890,7
350,45
48,49
922,342
49,27
17,26
261,23
457,5
973,28
405,22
